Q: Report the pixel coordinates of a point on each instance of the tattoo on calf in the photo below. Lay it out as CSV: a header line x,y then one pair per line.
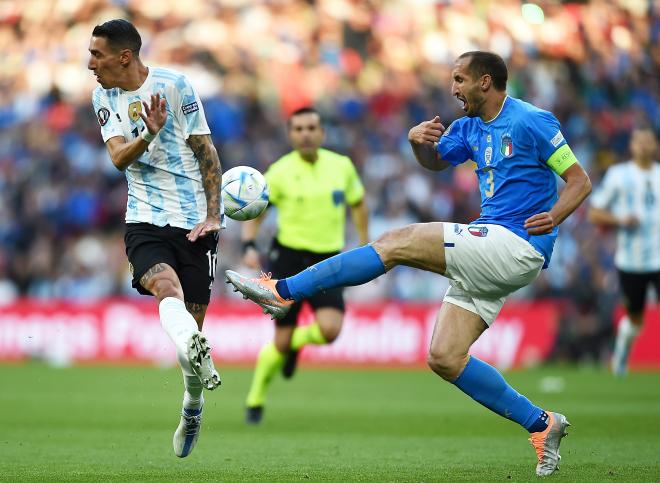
x,y
195,309
159,267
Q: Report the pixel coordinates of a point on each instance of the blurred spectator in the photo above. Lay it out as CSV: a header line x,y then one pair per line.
x,y
373,68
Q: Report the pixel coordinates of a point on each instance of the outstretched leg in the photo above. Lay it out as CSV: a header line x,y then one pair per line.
x,y
420,245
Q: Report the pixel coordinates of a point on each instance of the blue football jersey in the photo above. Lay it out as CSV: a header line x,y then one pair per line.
x,y
511,152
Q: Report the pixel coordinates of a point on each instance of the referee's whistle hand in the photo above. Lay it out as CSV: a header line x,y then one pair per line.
x,y
251,259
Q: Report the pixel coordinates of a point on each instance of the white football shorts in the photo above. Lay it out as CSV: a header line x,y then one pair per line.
x,y
485,263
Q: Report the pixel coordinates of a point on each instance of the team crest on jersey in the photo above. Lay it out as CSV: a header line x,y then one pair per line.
x,y
103,115
479,231
507,146
134,110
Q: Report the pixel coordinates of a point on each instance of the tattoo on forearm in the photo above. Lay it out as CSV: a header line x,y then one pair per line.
x,y
195,309
159,267
209,166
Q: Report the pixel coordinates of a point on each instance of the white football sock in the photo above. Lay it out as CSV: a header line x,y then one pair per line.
x,y
192,397
624,338
180,325
177,322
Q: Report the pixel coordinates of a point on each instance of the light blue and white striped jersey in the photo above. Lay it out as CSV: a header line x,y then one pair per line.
x,y
628,190
165,183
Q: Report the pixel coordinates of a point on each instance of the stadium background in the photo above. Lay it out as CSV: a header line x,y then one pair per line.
x,y
373,69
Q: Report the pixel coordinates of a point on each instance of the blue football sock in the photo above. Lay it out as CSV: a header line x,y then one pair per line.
x,y
353,267
283,289
483,383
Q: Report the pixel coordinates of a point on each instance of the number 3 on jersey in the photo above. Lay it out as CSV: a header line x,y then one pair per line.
x,y
490,184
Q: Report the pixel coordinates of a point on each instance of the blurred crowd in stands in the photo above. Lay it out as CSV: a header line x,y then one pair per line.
x,y
373,68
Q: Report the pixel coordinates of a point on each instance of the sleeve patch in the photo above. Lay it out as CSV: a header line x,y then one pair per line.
x,y
190,108
562,159
556,141
103,115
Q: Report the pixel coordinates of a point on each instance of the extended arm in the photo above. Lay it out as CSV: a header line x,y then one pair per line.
x,y
599,216
578,187
211,170
423,139
249,231
123,153
360,217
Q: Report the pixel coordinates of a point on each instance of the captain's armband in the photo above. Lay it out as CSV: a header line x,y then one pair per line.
x,y
562,159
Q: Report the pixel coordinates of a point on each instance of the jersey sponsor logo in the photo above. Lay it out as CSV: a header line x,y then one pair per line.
x,y
134,110
479,231
103,115
190,108
457,229
559,137
507,146
488,155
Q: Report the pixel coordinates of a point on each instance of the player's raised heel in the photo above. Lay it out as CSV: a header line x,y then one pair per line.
x,y
546,444
199,355
187,433
261,291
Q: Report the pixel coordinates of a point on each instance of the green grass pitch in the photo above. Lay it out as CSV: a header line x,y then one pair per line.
x,y
116,424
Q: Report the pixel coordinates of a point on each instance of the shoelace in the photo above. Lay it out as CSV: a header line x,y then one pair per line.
x,y
264,277
192,424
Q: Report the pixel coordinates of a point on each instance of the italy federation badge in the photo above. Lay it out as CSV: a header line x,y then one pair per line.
x,y
507,146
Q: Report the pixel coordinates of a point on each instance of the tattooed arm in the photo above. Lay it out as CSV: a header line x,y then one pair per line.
x,y
209,166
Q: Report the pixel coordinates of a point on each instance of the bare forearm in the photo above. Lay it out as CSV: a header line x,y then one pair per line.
x,y
123,154
428,157
250,228
360,217
603,217
573,194
211,171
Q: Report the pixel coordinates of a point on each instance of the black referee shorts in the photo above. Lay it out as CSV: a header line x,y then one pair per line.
x,y
285,262
193,262
634,286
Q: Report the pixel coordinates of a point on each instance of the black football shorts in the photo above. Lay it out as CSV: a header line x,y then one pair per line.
x,y
193,262
634,287
284,262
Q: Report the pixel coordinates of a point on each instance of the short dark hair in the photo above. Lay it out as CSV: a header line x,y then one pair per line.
x,y
302,110
482,63
120,33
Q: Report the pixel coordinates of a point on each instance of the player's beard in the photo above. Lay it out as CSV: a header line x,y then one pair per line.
x,y
475,102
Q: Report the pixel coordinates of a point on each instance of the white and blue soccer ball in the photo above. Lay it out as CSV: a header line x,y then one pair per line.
x,y
244,193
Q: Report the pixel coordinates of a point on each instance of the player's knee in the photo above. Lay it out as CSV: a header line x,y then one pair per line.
x,y
448,366
163,287
330,334
282,346
393,246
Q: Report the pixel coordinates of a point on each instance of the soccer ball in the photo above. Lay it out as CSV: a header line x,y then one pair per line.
x,y
244,193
